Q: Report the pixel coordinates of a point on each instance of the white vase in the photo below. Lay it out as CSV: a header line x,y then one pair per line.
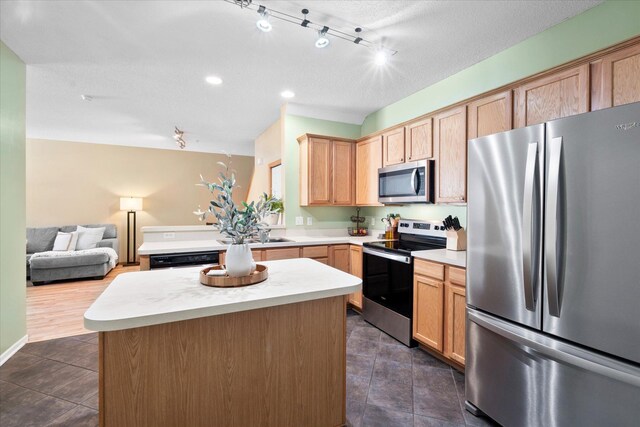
x,y
239,261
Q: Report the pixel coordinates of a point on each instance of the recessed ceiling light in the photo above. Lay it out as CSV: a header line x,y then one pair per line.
x,y
214,80
287,94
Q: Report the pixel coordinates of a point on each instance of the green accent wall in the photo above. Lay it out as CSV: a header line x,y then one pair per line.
x,y
323,217
592,30
13,323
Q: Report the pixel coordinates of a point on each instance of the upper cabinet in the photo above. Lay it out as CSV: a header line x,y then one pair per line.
x,y
490,115
558,95
368,161
393,147
419,140
450,142
327,169
615,78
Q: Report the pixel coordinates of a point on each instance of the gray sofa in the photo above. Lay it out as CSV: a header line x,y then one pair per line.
x,y
73,266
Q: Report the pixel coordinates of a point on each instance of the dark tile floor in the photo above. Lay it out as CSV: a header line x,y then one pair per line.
x,y
55,383
51,383
389,384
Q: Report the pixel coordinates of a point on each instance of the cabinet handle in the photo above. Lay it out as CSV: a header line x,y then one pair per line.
x,y
402,159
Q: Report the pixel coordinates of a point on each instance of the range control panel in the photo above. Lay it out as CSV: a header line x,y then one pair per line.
x,y
421,228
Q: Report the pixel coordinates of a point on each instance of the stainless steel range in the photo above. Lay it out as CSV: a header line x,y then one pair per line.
x,y
387,283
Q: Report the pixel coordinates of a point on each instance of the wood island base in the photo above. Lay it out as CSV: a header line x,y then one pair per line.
x,y
277,366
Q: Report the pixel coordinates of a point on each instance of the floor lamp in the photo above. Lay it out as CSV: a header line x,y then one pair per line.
x,y
131,205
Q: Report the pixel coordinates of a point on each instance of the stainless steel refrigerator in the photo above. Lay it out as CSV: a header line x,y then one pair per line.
x,y
553,272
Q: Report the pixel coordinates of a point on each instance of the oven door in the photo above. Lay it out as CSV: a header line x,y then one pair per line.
x,y
406,183
388,280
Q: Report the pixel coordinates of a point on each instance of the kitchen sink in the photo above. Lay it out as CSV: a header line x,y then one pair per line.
x,y
270,240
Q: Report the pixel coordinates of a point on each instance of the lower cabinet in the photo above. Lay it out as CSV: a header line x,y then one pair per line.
x,y
339,257
355,268
439,309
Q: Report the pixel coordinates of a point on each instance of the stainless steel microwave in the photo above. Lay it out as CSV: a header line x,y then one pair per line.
x,y
407,183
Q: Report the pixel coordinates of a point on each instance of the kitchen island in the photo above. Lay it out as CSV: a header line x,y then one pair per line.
x,y
175,352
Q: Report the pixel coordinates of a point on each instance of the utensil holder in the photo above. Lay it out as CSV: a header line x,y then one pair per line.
x,y
457,240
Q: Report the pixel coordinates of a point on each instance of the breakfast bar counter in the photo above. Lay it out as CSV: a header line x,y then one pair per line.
x,y
175,352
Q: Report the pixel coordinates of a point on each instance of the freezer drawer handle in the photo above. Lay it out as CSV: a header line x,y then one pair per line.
x,y
529,248
561,353
552,223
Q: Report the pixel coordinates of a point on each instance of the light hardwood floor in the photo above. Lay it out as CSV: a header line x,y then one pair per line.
x,y
57,310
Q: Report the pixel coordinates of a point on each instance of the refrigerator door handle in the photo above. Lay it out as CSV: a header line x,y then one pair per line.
x,y
529,266
559,351
552,222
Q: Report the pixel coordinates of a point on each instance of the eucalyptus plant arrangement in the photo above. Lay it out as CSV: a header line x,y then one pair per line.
x,y
239,223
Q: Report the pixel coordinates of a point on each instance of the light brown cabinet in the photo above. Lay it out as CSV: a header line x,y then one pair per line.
x,y
280,253
450,141
327,168
419,140
490,115
615,78
439,309
393,146
355,268
456,309
339,257
428,309
343,174
558,95
368,161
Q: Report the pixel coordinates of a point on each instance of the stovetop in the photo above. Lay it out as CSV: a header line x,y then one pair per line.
x,y
406,247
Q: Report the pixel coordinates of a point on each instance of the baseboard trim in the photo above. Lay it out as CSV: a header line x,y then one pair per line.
x,y
13,349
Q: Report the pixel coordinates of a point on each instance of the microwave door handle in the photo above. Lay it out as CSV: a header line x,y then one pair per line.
x,y
528,251
414,184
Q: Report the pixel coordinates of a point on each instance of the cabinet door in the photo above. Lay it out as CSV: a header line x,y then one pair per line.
x,y
491,115
559,95
428,310
615,79
368,161
419,140
339,257
393,147
450,137
284,253
355,267
344,163
257,254
320,155
455,309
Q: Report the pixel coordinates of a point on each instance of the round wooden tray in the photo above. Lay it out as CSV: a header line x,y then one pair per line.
x,y
259,275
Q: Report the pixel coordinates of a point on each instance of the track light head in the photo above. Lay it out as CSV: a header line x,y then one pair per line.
x,y
381,57
323,40
263,23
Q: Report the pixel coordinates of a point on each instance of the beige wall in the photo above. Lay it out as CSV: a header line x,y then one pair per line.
x,y
268,148
78,183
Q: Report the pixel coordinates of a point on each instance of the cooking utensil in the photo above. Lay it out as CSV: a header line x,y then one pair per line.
x,y
456,224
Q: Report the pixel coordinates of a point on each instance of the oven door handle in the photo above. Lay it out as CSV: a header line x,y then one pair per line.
x,y
392,257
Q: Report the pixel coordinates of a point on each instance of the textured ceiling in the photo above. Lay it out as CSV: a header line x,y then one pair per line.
x,y
144,62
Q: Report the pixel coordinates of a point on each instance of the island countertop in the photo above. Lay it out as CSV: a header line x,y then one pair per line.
x,y
161,296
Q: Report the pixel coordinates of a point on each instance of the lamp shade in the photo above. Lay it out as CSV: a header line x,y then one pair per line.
x,y
130,204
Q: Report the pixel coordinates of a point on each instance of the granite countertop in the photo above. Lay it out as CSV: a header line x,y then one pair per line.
x,y
177,246
154,297
444,256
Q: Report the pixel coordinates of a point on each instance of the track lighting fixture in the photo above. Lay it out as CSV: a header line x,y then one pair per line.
x,y
381,55
178,136
322,41
263,23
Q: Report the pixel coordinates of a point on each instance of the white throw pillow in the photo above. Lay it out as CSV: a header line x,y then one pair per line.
x,y
88,238
62,242
74,241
